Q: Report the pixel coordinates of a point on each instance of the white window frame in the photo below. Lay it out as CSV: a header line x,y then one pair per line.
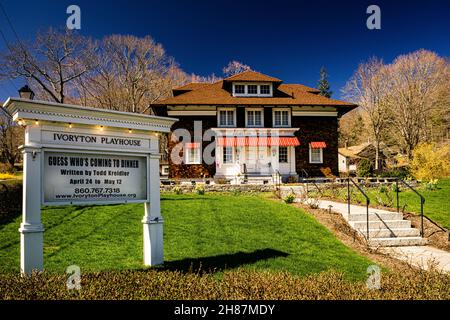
x,y
218,117
232,155
246,117
282,125
287,155
197,159
310,155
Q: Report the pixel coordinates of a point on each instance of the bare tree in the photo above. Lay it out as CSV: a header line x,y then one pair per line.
x,y
235,67
368,87
206,79
11,137
50,63
418,87
132,73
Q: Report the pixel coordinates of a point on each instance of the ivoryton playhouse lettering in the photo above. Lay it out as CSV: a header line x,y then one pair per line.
x,y
81,155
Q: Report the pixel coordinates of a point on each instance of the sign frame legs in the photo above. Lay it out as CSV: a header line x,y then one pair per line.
x,y
153,221
31,229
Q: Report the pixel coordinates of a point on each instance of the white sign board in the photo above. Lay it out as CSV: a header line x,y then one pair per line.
x,y
82,178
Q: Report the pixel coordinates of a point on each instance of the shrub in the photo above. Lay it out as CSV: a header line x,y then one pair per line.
x,y
7,176
10,200
401,173
432,184
200,189
430,162
234,284
382,189
292,179
365,168
177,190
289,198
6,168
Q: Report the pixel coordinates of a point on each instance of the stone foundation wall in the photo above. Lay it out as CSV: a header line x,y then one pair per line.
x,y
246,188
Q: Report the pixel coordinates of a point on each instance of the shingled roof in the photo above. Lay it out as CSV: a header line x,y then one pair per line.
x,y
250,75
218,93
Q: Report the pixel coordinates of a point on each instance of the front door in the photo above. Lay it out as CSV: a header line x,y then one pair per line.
x,y
258,159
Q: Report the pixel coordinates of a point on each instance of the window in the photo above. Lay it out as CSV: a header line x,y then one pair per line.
x,y
193,155
227,154
281,118
283,155
315,155
252,89
264,89
226,118
239,89
255,118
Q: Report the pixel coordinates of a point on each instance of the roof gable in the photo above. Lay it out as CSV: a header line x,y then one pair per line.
x,y
250,75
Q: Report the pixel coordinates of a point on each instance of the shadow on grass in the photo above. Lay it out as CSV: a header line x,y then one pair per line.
x,y
187,199
221,262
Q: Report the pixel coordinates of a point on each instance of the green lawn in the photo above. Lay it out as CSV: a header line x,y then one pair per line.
x,y
214,230
436,207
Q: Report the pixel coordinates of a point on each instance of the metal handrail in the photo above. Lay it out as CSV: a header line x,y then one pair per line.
x,y
422,201
367,201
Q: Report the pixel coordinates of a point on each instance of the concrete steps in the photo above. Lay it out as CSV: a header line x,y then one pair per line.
x,y
397,242
384,224
386,228
375,216
392,233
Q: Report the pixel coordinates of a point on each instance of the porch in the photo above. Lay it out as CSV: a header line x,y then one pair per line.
x,y
249,156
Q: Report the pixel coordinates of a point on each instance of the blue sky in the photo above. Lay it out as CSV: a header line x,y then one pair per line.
x,y
290,40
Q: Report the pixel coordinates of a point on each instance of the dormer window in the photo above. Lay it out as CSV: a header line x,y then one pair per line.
x,y
242,89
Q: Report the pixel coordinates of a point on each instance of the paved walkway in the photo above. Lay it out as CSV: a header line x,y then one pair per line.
x,y
420,256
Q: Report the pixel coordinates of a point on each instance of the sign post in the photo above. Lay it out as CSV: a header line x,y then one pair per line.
x,y
80,155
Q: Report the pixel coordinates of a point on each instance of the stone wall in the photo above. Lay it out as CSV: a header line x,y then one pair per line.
x,y
246,188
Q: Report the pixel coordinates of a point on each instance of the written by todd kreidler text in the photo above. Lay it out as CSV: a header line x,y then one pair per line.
x,y
225,309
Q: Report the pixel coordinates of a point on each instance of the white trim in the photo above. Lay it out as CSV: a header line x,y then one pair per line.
x,y
321,156
192,113
234,117
289,117
282,131
58,112
262,117
314,114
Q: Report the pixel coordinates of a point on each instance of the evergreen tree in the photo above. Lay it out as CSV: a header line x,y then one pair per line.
x,y
324,85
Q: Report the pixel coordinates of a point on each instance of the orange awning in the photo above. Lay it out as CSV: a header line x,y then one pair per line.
x,y
257,141
318,145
